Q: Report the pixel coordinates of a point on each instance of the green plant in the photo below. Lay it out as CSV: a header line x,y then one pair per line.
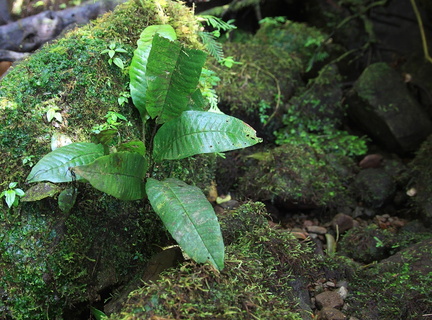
x,y
12,194
164,78
52,113
209,38
28,161
113,120
111,52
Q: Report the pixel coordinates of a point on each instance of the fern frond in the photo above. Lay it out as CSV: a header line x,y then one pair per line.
x,y
212,46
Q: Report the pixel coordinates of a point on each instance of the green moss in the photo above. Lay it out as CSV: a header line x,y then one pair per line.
x,y
314,117
254,283
297,174
255,82
397,288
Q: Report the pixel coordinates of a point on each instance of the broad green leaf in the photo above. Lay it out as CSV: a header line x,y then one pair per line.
x,y
55,165
105,136
190,219
138,67
66,199
196,132
10,196
40,191
172,77
119,174
133,146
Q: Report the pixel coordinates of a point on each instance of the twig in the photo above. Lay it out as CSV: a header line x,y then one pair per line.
x,y
422,32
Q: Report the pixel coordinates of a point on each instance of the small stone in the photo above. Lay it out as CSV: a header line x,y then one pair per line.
x,y
330,314
329,299
343,222
316,229
343,292
330,284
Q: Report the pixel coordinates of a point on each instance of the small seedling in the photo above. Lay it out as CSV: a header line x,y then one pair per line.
x,y
52,113
12,194
112,51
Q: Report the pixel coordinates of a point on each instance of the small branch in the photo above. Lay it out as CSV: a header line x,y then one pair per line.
x,y
422,32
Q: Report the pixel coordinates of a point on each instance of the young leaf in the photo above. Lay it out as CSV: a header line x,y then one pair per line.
x,y
119,174
196,132
190,219
55,165
172,74
133,146
66,199
10,196
138,67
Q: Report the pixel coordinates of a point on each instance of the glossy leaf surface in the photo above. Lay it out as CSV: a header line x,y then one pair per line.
x,y
138,67
172,75
190,219
119,174
54,166
196,132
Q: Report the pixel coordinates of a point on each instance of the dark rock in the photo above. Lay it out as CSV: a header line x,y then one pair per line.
x,y
343,222
328,299
330,314
373,187
421,184
382,106
366,244
294,176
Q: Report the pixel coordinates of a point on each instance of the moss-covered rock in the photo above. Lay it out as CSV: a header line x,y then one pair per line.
x,y
421,170
396,288
53,264
254,88
256,281
297,175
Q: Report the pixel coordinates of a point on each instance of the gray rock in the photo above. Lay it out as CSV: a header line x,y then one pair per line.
x,y
328,299
330,314
373,187
381,104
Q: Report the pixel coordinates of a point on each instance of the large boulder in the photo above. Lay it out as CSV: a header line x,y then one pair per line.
x,y
54,264
381,104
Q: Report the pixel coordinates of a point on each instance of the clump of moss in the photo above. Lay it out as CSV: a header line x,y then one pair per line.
x,y
297,174
254,283
315,114
254,89
397,288
306,42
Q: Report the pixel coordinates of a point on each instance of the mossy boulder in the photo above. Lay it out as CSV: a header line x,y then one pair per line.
x,y
395,288
382,106
256,282
53,264
421,171
297,175
259,85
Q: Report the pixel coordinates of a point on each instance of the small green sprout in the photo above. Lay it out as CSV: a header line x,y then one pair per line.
x,y
123,98
112,51
12,194
52,113
28,160
113,120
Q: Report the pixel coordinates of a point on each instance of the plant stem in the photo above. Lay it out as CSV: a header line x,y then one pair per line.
x,y
422,32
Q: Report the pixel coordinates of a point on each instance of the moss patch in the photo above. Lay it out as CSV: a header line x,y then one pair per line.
x,y
254,283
